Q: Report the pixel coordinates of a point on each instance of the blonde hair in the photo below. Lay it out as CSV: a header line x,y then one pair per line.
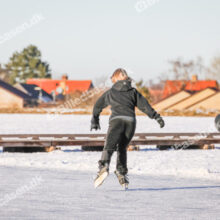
x,y
120,73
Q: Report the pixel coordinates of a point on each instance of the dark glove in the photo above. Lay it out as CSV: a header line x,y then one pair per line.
x,y
95,123
160,121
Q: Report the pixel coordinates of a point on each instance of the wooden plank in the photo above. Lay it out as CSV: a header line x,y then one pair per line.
x,y
47,140
95,142
103,135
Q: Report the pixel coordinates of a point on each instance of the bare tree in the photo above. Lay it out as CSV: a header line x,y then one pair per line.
x,y
214,69
183,70
162,78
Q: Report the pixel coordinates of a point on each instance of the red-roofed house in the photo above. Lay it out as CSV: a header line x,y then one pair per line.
x,y
174,86
63,86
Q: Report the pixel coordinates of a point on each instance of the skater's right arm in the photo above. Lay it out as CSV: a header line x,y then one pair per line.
x,y
98,107
144,106
100,104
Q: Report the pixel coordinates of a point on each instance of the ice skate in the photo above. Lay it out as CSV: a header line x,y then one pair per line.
x,y
101,176
123,179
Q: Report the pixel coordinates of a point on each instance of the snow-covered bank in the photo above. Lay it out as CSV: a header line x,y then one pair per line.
x,y
34,123
190,163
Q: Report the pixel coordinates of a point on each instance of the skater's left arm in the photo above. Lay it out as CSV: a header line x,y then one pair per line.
x,y
144,106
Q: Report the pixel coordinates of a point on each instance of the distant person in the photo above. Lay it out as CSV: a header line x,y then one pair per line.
x,y
217,122
123,99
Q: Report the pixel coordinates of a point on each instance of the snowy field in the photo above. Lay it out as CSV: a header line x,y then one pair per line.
x,y
163,184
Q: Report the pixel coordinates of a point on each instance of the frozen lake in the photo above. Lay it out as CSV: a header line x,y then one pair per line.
x,y
163,184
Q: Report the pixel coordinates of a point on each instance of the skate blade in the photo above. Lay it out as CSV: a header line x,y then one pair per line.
x,y
125,186
100,180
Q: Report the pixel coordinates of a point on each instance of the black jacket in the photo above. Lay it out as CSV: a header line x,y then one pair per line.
x,y
123,98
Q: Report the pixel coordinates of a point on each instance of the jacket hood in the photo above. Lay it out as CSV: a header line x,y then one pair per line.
x,y
122,85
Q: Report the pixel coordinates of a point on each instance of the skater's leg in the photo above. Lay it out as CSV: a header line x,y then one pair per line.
x,y
121,165
113,138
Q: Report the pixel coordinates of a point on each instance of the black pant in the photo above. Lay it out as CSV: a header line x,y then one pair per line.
x,y
120,133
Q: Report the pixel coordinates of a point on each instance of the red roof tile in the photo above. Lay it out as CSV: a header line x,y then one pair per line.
x,y
200,85
173,86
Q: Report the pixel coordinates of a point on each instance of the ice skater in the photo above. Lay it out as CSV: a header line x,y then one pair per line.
x,y
123,99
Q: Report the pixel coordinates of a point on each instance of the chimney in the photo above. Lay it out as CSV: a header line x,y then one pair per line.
x,y
64,77
194,78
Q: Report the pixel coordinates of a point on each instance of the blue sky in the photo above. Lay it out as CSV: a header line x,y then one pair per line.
x,y
89,39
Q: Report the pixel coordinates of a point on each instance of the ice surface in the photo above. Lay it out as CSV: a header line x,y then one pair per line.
x,y
70,195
